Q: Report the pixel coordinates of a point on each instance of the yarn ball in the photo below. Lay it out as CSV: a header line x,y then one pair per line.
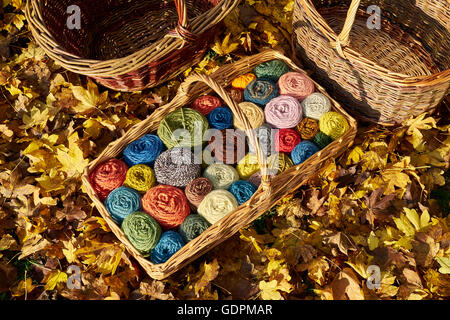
x,y
247,166
316,105
121,202
265,135
254,114
236,95
261,91
322,140
221,118
308,128
142,231
197,189
303,151
216,205
296,85
333,124
242,190
169,243
283,112
255,179
184,127
227,146
279,162
205,104
286,140
143,151
271,69
221,175
167,204
140,177
177,167
243,81
108,176
193,226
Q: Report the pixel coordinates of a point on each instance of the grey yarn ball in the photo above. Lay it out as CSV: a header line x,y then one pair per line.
x,y
177,167
266,136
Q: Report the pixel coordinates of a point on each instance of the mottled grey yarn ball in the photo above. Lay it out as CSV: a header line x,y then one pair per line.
x,y
177,167
266,136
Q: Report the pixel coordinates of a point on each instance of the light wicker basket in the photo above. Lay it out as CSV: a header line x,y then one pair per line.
x,y
127,45
381,75
272,189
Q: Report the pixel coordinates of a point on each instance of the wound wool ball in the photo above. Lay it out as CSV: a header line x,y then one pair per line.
x,y
143,151
221,175
216,205
296,85
242,190
279,162
193,226
283,112
255,179
169,243
227,146
243,81
184,127
273,69
254,114
221,118
167,204
260,91
140,177
303,151
142,231
286,140
266,138
322,140
247,166
205,104
121,202
177,167
308,128
108,176
236,95
333,124
316,105
197,189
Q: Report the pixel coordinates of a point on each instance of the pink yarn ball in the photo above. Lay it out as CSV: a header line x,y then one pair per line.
x,y
296,85
283,112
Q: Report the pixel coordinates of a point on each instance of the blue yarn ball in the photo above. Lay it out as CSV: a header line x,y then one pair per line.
x,y
121,202
303,151
143,151
261,91
242,190
221,118
169,243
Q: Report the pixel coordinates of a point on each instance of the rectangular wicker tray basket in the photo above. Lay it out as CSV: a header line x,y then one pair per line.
x,y
267,195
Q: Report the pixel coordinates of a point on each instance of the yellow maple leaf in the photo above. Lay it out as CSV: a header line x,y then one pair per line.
x,y
225,47
269,290
415,137
54,279
89,98
23,287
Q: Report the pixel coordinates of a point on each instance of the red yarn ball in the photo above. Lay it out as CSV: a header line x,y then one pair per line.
x,y
205,104
108,176
167,204
286,140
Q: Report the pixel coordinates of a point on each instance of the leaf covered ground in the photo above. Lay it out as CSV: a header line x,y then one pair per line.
x,y
384,203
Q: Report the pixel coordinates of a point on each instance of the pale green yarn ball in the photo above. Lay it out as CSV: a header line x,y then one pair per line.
x,y
216,205
221,175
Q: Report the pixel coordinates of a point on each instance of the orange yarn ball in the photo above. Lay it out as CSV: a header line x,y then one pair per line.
x,y
243,81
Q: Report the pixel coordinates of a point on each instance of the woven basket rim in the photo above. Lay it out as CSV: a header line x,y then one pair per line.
x,y
398,78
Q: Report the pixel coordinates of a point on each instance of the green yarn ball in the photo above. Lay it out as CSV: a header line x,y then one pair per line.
x,y
322,140
142,230
188,119
193,226
273,69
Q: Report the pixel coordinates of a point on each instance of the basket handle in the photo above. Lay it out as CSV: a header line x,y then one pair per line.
x,y
343,38
182,30
213,84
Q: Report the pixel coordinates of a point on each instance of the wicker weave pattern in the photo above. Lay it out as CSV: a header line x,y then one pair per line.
x,y
127,45
271,189
383,76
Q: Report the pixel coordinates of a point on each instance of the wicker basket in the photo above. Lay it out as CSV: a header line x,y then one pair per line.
x,y
272,189
127,45
381,75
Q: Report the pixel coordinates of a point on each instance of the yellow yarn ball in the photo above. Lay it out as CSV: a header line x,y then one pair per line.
x,y
140,178
333,124
279,162
254,114
247,166
243,81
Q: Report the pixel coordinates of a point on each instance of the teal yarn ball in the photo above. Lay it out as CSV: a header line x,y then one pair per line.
x,y
220,118
242,190
322,140
142,230
303,151
193,226
273,69
261,91
121,202
169,243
